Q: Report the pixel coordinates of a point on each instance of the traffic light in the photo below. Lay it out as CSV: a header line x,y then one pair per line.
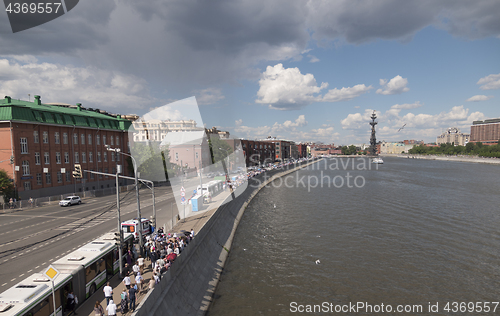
x,y
77,174
117,238
11,160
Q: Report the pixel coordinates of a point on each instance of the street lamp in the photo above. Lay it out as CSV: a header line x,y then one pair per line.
x,y
117,150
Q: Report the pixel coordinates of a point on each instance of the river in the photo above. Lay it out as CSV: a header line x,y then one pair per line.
x,y
404,234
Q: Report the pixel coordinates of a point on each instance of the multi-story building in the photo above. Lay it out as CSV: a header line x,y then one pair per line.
x,y
487,131
214,131
302,149
188,149
46,141
156,130
394,147
453,136
256,152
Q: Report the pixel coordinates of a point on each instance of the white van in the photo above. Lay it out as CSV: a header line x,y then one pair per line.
x,y
132,226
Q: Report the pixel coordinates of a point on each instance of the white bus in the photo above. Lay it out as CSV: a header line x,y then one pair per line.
x,y
82,271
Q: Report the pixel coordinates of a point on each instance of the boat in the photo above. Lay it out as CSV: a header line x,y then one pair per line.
x,y
377,160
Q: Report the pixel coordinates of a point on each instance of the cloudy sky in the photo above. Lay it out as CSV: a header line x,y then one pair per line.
x,y
302,70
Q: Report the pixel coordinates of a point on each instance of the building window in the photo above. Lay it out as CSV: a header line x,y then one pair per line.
x,y
117,140
84,157
99,156
97,139
27,186
68,177
176,156
89,138
91,159
45,137
24,145
117,157
104,139
26,168
37,158
35,137
48,178
77,157
46,158
196,155
75,138
39,179
113,170
111,140
59,177
105,155
113,155
58,158
100,175
106,171
57,139
65,138
91,174
66,157
82,138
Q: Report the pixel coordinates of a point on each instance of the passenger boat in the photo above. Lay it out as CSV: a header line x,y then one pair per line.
x,y
377,160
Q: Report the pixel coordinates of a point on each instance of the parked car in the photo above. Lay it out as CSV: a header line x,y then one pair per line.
x,y
70,200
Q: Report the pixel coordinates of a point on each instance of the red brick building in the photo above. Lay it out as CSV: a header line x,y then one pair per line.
x,y
45,141
487,131
255,151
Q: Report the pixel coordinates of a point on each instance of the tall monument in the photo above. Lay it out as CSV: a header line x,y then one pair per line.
x,y
373,139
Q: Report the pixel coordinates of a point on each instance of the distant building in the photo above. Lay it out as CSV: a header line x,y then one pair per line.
x,y
256,152
394,147
45,141
487,131
156,130
413,142
453,136
218,133
188,149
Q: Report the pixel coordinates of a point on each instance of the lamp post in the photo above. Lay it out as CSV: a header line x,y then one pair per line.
x,y
139,217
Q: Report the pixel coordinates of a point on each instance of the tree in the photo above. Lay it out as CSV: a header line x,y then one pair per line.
x,y
219,149
6,186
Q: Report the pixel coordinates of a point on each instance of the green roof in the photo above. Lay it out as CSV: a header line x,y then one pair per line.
x,y
36,112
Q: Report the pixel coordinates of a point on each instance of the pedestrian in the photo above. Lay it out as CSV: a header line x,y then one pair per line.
x,y
138,281
126,281
140,261
98,310
111,308
135,268
108,293
152,283
131,297
124,301
11,203
71,302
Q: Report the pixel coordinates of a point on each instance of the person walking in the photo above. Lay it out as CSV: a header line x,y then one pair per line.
x,y
124,301
140,261
131,297
108,293
98,310
71,302
111,308
152,283
127,281
138,280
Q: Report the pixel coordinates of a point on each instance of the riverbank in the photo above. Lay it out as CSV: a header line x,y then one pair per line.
x,y
474,159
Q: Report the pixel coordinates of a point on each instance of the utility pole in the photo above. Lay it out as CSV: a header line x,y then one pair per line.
x,y
120,256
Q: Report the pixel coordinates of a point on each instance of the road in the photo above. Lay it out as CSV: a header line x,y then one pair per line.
x,y
32,238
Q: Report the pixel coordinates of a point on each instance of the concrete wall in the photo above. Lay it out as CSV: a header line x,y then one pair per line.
x,y
188,286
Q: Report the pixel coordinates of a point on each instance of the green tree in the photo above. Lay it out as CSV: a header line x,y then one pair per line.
x,y
6,186
219,149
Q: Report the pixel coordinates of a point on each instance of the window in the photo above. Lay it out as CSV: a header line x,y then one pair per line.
x,y
105,155
59,177
113,155
46,158
117,157
176,156
82,138
84,157
99,156
75,138
65,138
117,140
66,157
91,159
26,168
196,155
77,157
113,170
35,137
91,174
111,141
57,139
39,179
27,186
68,177
97,139
48,178
37,158
100,175
24,145
106,171
58,158
104,139
89,138
45,137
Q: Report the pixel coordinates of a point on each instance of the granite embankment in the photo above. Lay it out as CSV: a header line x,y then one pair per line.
x,y
188,286
475,159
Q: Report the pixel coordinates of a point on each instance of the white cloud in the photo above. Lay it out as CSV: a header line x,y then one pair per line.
x,y
313,59
479,97
93,87
300,121
238,122
490,82
407,106
209,96
396,85
287,88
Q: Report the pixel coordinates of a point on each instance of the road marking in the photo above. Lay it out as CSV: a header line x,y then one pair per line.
x,y
13,279
21,275
29,271
4,284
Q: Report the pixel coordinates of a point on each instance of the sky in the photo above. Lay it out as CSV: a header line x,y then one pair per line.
x,y
307,71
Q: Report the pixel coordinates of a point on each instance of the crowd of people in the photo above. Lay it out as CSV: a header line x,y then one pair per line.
x,y
160,250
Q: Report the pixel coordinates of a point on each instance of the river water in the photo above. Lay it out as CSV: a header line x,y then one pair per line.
x,y
411,233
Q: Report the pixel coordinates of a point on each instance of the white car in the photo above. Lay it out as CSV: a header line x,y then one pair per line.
x,y
70,200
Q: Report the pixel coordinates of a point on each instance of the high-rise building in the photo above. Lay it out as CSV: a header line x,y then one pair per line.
x,y
453,136
487,131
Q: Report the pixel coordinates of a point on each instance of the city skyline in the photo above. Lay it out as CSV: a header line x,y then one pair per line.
x,y
306,71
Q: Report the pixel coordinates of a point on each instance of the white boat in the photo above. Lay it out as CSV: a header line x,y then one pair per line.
x,y
377,160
